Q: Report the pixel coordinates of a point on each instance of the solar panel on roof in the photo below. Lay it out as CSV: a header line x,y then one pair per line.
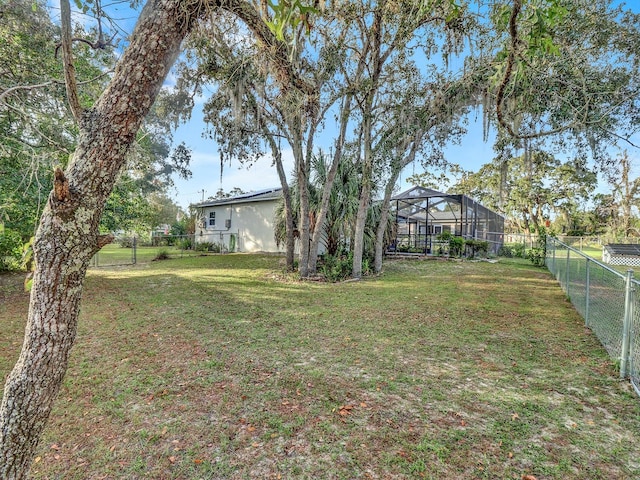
x,y
623,249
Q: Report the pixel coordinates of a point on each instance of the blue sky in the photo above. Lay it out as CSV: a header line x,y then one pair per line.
x,y
470,153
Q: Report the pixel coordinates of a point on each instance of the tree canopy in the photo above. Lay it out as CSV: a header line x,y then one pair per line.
x,y
559,72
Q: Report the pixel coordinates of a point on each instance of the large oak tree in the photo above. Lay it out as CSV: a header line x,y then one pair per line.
x,y
68,233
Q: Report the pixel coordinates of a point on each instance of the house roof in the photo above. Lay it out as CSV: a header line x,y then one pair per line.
x,y
623,249
259,196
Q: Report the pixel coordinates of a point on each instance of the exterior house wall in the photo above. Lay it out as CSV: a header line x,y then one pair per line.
x,y
252,224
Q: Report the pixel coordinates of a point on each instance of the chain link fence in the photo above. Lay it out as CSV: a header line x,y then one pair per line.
x,y
132,250
606,299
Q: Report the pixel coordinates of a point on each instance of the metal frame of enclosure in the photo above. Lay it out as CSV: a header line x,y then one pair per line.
x,y
422,214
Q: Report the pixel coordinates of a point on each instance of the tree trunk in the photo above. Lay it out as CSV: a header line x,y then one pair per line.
x,y
67,236
304,225
396,167
288,210
328,184
361,217
384,221
365,189
377,60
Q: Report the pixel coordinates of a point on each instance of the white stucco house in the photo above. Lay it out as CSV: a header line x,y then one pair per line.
x,y
244,223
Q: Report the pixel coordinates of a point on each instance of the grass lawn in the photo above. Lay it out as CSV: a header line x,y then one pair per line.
x,y
114,254
223,367
593,252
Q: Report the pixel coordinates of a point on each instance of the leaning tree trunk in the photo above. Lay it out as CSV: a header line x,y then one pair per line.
x,y
67,236
288,210
396,167
328,187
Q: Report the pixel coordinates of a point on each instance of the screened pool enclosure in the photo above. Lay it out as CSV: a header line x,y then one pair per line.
x,y
423,214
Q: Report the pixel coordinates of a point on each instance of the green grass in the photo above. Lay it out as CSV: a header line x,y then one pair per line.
x,y
114,254
224,367
592,251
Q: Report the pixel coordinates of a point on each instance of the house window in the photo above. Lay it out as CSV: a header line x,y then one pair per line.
x,y
437,229
212,219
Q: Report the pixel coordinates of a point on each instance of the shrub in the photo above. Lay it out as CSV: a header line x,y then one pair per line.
x,y
126,242
476,247
10,250
456,246
516,250
208,247
203,246
162,255
336,267
339,267
409,249
444,237
519,250
184,243
538,255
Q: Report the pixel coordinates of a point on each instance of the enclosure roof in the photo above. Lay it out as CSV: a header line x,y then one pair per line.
x,y
623,249
419,192
434,215
259,196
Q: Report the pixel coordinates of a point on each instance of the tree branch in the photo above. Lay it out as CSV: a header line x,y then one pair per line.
x,y
513,34
500,96
9,91
67,60
277,49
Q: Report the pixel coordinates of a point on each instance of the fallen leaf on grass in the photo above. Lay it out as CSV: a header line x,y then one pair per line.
x,y
197,461
55,446
515,416
172,459
529,477
37,459
345,410
405,456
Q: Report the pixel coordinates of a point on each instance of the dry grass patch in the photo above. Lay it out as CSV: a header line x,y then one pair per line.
x,y
220,367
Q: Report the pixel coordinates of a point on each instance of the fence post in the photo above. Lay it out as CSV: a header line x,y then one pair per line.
x,y
134,250
554,258
566,290
626,326
586,295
